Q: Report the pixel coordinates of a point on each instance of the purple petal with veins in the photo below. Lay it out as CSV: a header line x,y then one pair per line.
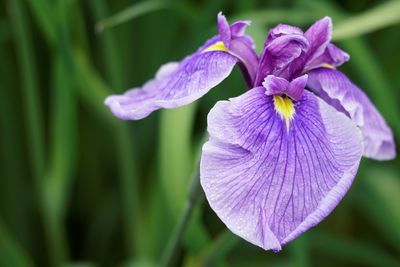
x,y
319,35
182,83
332,85
267,184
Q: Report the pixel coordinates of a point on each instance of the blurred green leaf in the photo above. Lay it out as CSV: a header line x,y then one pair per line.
x,y
93,91
219,248
300,249
11,253
60,173
30,86
138,263
130,13
44,13
272,16
362,253
129,184
382,16
5,33
176,162
380,200
79,264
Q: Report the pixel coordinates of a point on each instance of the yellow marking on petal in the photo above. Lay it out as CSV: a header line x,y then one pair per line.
x,y
328,66
218,46
285,108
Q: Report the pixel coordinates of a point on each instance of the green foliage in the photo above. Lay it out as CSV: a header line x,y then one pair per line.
x,y
78,187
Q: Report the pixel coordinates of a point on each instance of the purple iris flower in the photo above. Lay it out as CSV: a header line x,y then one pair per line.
x,y
282,155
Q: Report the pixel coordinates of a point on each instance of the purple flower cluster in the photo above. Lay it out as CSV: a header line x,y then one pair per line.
x,y
282,155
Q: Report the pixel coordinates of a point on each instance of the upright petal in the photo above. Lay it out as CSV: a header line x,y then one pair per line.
x,y
224,29
296,87
267,184
335,88
319,35
180,85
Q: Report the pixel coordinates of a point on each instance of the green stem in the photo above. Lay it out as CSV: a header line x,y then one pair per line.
x,y
173,243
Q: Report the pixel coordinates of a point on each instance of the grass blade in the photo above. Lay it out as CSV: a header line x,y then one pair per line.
x,y
44,15
175,154
382,16
130,13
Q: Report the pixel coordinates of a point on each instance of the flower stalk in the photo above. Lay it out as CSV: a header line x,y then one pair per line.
x,y
174,241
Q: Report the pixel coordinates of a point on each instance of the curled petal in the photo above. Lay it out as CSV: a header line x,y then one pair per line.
x,y
176,85
332,56
336,89
319,35
283,29
269,185
238,28
279,55
275,85
335,56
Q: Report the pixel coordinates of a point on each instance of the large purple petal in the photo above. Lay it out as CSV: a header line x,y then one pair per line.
x,y
267,184
336,89
176,85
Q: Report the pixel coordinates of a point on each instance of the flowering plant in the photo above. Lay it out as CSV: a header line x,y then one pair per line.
x,y
282,155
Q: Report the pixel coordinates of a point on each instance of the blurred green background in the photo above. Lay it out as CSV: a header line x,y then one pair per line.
x,y
79,188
